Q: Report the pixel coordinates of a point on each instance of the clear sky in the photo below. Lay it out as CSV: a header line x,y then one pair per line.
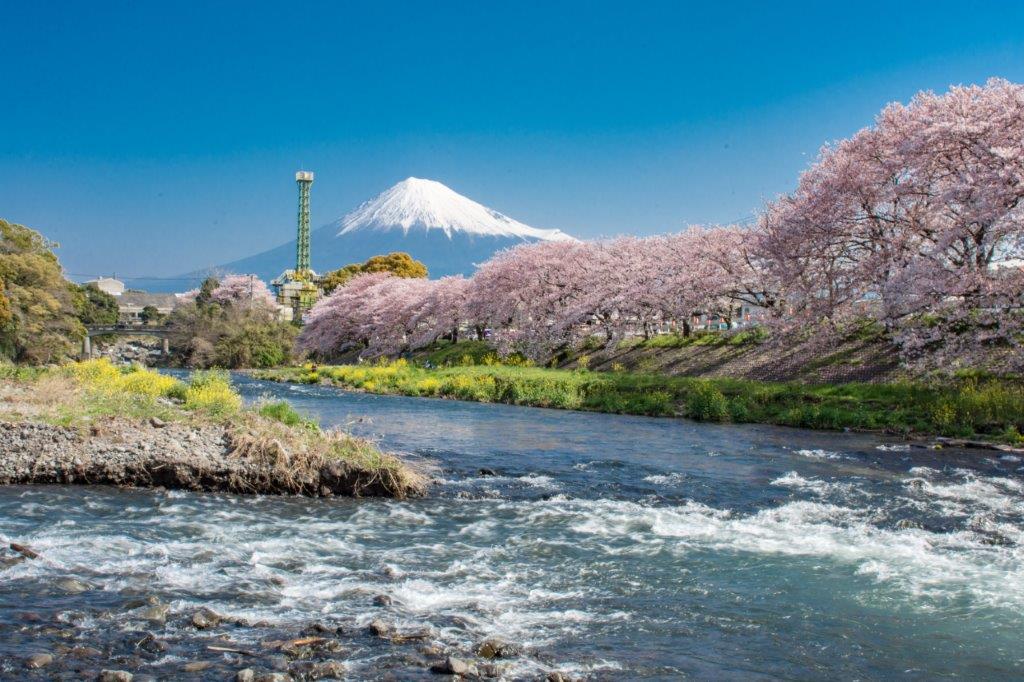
x,y
154,138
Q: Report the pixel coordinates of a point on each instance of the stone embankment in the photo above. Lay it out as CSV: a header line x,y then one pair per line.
x,y
121,452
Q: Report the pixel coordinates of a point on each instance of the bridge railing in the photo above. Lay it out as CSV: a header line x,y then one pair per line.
x,y
92,330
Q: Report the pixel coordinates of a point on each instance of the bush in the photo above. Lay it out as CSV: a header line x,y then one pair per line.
x,y
146,382
428,386
102,375
211,392
705,402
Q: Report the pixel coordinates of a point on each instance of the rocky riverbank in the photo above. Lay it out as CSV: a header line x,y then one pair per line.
x,y
153,453
146,639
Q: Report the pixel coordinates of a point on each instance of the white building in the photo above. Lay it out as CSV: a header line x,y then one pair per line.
x,y
114,287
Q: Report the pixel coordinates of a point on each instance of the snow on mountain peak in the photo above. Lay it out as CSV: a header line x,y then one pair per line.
x,y
425,205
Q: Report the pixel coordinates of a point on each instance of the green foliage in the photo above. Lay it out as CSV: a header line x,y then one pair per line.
x,y
93,305
705,402
40,323
150,313
987,408
703,337
444,353
206,290
397,263
255,344
210,392
6,316
208,335
283,412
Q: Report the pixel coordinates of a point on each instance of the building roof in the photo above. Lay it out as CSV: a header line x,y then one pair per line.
x,y
141,299
105,280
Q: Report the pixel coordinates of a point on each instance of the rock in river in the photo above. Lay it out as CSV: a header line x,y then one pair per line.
x,y
38,660
72,585
156,614
115,676
197,666
379,628
497,648
451,666
205,618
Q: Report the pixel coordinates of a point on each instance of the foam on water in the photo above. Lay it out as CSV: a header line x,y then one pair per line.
x,y
818,453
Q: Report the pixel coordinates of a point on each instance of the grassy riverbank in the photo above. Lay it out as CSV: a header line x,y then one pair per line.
x,y
279,448
971,408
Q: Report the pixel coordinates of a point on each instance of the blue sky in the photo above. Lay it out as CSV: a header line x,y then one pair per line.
x,y
154,138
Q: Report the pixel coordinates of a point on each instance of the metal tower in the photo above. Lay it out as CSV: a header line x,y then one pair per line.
x,y
304,179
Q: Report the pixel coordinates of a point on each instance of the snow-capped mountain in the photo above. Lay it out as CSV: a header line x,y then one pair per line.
x,y
415,204
450,233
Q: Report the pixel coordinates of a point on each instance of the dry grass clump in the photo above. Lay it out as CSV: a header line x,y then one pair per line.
x,y
306,460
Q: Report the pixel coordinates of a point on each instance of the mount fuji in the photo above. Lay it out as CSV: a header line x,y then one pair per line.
x,y
450,233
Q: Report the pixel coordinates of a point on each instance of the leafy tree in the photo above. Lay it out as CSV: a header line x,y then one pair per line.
x,y
397,263
206,289
94,306
149,314
6,316
231,323
255,344
42,325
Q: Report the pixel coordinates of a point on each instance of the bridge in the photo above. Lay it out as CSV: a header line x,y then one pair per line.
x,y
91,330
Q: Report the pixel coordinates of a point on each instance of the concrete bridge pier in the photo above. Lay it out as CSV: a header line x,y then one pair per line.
x,y
86,347
166,347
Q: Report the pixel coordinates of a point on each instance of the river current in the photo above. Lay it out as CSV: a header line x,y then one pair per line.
x,y
608,547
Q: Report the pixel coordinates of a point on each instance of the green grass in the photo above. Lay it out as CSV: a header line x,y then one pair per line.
x,y
747,337
283,412
973,407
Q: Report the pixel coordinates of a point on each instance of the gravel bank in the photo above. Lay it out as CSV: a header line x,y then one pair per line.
x,y
175,456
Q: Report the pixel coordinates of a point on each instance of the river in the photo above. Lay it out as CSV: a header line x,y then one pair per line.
x,y
608,547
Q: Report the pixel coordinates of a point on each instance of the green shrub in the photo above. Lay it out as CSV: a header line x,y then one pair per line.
x,y
211,392
653,403
283,412
739,409
705,402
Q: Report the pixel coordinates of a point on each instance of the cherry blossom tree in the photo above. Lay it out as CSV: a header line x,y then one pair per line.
x,y
520,293
440,313
916,222
342,321
244,291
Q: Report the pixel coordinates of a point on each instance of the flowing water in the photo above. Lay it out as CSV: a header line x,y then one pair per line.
x,y
608,547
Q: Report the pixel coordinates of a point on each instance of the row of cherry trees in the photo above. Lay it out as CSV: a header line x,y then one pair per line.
x,y
915,224
538,297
